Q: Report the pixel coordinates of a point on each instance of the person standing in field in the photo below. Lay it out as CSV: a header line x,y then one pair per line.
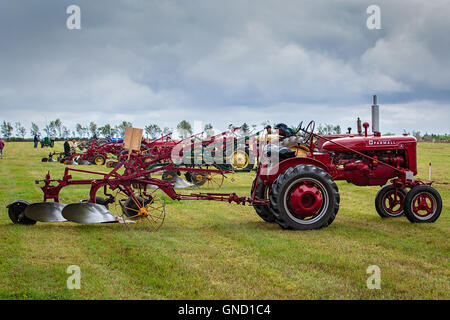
x,y
2,145
36,139
66,147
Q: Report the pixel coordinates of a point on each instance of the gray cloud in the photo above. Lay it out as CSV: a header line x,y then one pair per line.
x,y
226,62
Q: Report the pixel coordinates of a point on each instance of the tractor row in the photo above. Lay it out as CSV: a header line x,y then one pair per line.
x,y
296,191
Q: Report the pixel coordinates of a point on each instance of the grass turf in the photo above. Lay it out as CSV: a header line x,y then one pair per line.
x,y
215,250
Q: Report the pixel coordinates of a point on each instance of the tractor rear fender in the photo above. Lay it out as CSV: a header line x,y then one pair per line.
x,y
270,176
17,201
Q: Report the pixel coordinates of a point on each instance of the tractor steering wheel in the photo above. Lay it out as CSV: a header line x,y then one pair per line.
x,y
309,130
299,128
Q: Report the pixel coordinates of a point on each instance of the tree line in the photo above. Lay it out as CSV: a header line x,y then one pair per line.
x,y
184,129
56,129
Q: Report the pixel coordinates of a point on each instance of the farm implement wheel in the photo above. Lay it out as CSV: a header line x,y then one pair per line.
x,y
169,176
196,178
99,160
213,179
240,160
145,209
16,212
262,192
423,204
304,197
389,201
111,164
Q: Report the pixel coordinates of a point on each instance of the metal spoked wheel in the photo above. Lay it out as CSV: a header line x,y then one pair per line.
x,y
145,209
213,180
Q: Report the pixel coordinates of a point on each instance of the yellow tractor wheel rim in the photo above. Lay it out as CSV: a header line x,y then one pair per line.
x,y
240,159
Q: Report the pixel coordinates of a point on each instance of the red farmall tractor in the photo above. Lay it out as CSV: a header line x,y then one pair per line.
x,y
302,193
296,192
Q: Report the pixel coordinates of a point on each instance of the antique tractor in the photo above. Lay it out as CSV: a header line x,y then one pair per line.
x,y
302,194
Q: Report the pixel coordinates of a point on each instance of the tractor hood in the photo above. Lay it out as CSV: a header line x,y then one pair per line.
x,y
369,143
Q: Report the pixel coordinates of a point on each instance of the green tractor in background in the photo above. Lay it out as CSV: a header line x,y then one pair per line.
x,y
47,142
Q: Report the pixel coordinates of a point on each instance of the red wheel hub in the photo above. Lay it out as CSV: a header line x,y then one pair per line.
x,y
306,200
423,202
393,202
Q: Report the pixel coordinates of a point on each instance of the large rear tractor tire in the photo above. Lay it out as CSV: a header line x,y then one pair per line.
x,y
304,197
262,192
423,204
389,202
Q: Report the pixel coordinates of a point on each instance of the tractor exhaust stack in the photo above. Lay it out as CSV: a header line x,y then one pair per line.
x,y
375,115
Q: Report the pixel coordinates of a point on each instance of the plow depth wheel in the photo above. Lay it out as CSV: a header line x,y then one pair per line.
x,y
423,204
145,209
16,212
389,202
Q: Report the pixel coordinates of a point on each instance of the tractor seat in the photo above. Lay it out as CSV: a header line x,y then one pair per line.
x,y
283,152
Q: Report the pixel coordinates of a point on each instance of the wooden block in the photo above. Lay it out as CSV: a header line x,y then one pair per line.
x,y
132,139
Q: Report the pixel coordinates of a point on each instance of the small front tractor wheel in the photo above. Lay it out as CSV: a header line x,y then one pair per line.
x,y
262,192
16,212
389,201
99,160
423,204
304,197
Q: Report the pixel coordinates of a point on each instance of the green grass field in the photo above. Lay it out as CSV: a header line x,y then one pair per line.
x,y
215,250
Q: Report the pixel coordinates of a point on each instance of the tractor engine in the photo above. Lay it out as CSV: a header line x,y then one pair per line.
x,y
397,151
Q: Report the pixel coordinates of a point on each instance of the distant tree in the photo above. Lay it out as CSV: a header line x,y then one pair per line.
x,y
93,128
58,127
209,130
417,135
114,131
105,130
244,128
328,129
152,130
166,130
121,127
34,129
49,129
7,130
337,129
184,129
65,133
80,130
20,130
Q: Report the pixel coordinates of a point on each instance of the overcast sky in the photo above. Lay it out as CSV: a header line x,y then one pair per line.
x,y
226,62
